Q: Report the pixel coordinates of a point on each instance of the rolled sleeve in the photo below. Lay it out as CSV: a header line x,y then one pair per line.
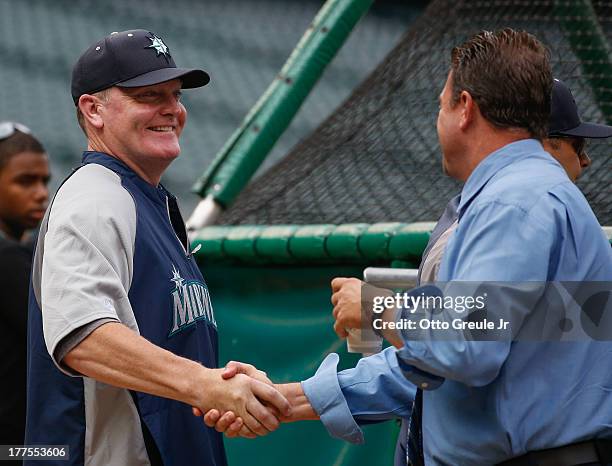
x,y
376,389
324,394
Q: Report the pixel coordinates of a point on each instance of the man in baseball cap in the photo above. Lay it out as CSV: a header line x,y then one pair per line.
x,y
567,134
123,337
129,59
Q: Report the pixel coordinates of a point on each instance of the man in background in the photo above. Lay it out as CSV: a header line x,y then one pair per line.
x,y
24,174
567,134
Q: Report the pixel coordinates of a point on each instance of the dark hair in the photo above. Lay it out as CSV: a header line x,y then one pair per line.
x,y
508,75
17,143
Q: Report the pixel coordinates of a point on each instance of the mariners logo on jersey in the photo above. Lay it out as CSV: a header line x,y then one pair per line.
x,y
190,303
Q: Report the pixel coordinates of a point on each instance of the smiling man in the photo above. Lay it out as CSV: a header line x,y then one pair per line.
x,y
123,338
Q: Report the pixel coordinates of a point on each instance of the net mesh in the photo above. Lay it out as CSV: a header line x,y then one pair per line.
x,y
377,158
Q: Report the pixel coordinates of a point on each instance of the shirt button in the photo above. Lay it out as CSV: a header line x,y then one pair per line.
x,y
424,385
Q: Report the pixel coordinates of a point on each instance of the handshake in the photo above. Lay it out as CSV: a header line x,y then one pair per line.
x,y
245,402
241,401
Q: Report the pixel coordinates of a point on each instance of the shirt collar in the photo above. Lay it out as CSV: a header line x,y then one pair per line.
x,y
492,164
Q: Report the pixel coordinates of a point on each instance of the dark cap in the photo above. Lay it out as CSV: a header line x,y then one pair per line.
x,y
129,59
564,118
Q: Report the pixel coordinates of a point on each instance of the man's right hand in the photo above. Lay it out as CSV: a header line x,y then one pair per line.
x,y
233,426
244,396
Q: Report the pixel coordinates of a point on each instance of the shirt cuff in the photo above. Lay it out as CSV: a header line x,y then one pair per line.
x,y
324,394
423,380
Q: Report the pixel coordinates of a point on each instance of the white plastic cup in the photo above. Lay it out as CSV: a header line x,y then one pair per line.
x,y
364,341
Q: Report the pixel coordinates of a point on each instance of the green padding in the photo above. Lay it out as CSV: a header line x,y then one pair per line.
x,y
410,240
309,241
274,242
351,243
343,242
316,244
374,242
279,319
240,242
211,239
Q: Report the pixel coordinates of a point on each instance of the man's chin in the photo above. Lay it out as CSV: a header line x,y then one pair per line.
x,y
169,153
445,168
30,223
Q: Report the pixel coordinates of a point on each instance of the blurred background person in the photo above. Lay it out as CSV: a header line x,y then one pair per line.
x,y
567,133
24,175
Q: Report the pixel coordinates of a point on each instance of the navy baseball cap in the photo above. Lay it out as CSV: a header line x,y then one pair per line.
x,y
129,59
564,118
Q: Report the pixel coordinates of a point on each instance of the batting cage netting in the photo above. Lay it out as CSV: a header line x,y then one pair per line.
x,y
377,159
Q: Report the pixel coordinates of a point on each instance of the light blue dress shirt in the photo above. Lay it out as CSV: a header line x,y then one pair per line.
x,y
520,219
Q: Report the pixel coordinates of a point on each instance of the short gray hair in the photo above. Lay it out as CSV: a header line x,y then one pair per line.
x,y
103,95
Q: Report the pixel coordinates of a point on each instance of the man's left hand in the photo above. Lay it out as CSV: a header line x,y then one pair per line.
x,y
346,299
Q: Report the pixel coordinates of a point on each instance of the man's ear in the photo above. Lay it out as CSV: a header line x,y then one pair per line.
x,y
90,106
468,110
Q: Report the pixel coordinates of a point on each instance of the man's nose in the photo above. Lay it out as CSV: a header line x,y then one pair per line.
x,y
42,192
585,160
172,106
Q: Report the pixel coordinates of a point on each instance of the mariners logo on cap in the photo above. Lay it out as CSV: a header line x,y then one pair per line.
x,y
158,45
